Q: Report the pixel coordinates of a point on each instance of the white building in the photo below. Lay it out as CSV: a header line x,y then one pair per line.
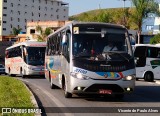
x,y
16,13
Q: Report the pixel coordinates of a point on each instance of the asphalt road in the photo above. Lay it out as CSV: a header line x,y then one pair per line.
x,y
146,96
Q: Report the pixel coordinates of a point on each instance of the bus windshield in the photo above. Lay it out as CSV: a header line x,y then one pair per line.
x,y
35,55
90,44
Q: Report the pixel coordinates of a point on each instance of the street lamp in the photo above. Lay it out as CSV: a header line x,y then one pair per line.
x,y
124,17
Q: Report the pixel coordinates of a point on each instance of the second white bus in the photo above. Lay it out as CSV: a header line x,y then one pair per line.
x,y
26,58
147,58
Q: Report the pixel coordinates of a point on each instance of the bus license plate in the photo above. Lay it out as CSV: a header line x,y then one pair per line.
x,y
105,91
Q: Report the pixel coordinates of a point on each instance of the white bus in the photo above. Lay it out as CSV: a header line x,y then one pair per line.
x,y
147,58
75,61
26,58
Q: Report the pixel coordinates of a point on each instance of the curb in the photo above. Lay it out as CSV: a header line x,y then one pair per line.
x,y
33,99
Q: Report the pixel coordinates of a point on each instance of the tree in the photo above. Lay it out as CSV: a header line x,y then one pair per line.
x,y
43,33
142,7
155,39
16,31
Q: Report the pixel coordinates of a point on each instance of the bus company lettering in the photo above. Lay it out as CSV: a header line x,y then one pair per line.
x,y
16,60
80,71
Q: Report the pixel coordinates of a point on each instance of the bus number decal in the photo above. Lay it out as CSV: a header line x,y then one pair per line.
x,y
81,71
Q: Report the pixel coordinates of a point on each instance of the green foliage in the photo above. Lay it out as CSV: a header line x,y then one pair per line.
x,y
155,39
133,16
43,33
16,31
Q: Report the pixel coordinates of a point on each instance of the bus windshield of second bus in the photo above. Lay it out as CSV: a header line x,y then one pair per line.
x,y
35,56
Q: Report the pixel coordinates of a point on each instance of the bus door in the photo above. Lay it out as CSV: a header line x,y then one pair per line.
x,y
140,58
66,52
153,60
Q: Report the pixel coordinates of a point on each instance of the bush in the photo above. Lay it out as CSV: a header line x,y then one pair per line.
x,y
155,39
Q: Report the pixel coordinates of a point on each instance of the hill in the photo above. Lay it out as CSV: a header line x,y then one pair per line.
x,y
112,15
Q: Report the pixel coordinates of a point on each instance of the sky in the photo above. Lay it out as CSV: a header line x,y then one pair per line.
x,y
79,6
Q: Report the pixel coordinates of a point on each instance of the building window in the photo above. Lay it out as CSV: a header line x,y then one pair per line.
x,y
25,27
11,4
52,2
4,7
46,8
25,13
25,20
18,26
4,21
39,8
57,16
25,6
18,12
149,27
11,26
32,31
46,1
19,5
57,10
33,1
51,8
4,14
11,19
18,19
32,14
39,15
12,11
5,1
4,29
39,1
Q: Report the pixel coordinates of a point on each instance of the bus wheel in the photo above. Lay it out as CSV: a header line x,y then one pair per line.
x,y
66,94
9,73
149,77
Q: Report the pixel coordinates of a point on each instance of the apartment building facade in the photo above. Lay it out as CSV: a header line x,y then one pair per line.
x,y
16,13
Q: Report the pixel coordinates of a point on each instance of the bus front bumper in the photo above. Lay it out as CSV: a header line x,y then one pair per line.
x,y
91,86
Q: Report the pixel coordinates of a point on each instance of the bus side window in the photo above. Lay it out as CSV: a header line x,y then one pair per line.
x,y
65,46
140,54
152,52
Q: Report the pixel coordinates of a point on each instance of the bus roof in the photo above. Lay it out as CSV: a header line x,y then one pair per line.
x,y
109,25
29,43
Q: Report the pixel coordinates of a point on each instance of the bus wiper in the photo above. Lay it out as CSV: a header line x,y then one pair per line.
x,y
118,54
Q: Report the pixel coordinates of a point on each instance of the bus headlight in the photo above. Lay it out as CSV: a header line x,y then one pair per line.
x,y
80,76
128,78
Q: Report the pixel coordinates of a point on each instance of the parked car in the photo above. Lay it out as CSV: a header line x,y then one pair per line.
x,y
2,69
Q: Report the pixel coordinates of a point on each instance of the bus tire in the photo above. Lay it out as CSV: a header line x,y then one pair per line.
x,y
149,77
9,73
66,94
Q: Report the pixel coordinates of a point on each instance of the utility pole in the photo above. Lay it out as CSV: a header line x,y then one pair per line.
x,y
124,17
